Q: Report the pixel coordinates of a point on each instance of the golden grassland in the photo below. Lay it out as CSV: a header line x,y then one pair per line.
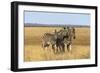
x,y
33,50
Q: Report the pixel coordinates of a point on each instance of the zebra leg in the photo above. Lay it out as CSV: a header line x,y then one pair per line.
x,y
53,47
45,46
69,47
63,47
57,48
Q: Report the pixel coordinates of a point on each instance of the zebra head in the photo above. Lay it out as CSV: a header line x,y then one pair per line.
x,y
63,33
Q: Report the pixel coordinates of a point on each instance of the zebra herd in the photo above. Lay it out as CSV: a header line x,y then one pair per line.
x,y
59,40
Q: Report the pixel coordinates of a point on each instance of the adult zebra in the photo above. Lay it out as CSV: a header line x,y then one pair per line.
x,y
48,39
55,40
68,35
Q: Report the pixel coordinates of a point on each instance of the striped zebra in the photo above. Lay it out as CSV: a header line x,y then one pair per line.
x,y
68,36
60,46
55,40
48,39
72,36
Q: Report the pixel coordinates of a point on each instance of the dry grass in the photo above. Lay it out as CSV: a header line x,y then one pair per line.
x,y
34,52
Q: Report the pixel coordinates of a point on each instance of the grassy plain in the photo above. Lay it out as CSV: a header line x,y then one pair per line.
x,y
34,52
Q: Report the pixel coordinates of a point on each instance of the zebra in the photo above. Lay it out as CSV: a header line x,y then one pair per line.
x,y
48,39
55,40
60,46
71,33
68,34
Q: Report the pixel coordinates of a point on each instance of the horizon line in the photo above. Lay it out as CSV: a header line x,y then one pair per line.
x,y
54,25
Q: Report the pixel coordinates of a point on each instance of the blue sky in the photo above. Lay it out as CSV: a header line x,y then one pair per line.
x,y
40,17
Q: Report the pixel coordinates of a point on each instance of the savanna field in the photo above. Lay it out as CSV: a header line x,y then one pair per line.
x,y
33,50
